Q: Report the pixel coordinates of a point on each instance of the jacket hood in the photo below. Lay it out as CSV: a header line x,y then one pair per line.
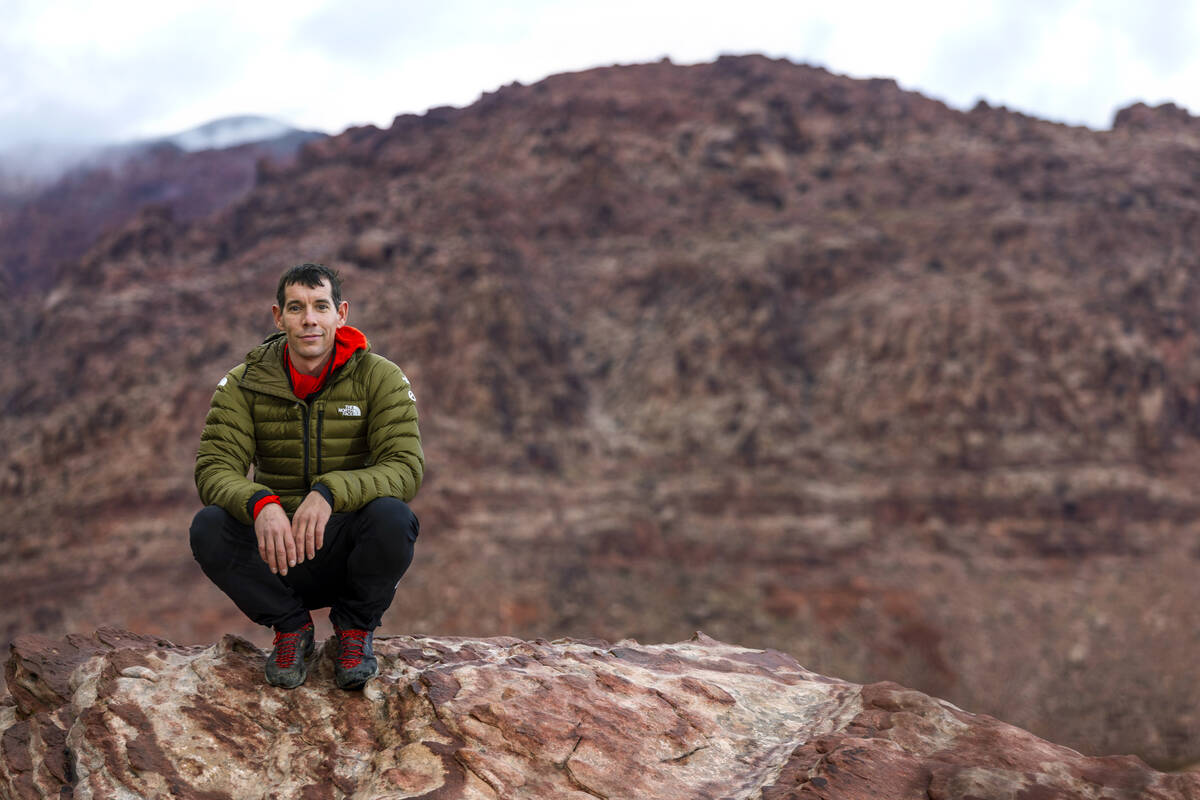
x,y
349,340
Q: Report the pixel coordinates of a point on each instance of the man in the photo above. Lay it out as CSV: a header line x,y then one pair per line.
x,y
331,429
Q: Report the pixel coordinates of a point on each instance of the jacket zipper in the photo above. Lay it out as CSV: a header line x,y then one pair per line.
x,y
320,433
304,414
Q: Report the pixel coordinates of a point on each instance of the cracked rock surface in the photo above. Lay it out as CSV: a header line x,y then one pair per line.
x,y
114,714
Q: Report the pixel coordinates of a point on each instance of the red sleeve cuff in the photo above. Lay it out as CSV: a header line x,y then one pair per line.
x,y
263,503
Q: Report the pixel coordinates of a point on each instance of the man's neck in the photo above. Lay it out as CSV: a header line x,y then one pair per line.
x,y
310,368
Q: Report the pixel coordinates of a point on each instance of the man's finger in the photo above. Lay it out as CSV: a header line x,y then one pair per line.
x,y
319,537
287,555
311,533
298,535
273,545
268,546
282,543
293,549
299,528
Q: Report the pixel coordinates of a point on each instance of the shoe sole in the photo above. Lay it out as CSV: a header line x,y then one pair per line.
x,y
351,687
308,659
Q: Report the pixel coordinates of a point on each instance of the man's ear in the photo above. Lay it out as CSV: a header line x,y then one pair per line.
x,y
275,312
343,312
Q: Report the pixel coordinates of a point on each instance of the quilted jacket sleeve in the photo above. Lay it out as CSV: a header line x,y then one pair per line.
x,y
397,462
226,450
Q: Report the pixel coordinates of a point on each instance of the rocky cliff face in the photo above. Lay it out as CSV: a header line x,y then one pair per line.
x,y
47,227
802,361
119,715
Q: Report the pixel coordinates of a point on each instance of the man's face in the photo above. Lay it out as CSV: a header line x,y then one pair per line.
x,y
310,320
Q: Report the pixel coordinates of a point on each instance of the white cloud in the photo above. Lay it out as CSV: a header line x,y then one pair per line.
x,y
123,69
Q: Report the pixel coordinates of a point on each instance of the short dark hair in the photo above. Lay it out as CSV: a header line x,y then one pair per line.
x,y
310,275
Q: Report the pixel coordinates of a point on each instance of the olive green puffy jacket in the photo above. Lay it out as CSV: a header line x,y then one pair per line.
x,y
358,436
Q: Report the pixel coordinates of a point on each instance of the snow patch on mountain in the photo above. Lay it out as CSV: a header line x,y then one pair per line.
x,y
229,132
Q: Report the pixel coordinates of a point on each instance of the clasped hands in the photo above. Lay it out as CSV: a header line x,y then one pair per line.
x,y
283,544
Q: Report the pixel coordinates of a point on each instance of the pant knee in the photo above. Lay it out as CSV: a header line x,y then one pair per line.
x,y
392,517
386,533
205,534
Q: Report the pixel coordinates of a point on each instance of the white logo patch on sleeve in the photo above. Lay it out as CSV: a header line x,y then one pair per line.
x,y
350,411
412,396
224,381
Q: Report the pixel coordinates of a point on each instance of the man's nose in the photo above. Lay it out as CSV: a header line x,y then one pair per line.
x,y
310,316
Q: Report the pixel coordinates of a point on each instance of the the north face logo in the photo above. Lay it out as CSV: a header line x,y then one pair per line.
x,y
350,411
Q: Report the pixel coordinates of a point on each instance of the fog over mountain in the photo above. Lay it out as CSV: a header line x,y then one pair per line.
x,y
228,132
25,167
51,211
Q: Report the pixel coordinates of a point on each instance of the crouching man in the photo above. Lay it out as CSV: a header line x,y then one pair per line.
x,y
331,429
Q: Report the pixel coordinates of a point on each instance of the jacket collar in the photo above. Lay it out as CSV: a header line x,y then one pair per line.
x,y
266,371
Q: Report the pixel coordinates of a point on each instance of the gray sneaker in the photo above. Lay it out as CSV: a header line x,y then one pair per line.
x,y
287,666
356,663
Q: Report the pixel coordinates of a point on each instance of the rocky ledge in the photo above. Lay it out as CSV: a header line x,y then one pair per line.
x,y
115,714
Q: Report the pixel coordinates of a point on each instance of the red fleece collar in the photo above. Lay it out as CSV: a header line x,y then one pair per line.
x,y
346,342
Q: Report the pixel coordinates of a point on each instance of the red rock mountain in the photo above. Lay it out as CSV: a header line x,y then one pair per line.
x,y
47,227
805,362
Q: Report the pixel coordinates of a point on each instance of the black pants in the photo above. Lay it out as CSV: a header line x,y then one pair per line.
x,y
355,573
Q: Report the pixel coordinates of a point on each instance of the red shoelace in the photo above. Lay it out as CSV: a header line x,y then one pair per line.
x,y
285,647
350,643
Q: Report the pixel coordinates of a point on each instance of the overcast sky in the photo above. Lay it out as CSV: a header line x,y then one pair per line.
x,y
79,71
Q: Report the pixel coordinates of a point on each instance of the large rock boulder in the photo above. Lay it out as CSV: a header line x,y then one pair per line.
x,y
114,714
